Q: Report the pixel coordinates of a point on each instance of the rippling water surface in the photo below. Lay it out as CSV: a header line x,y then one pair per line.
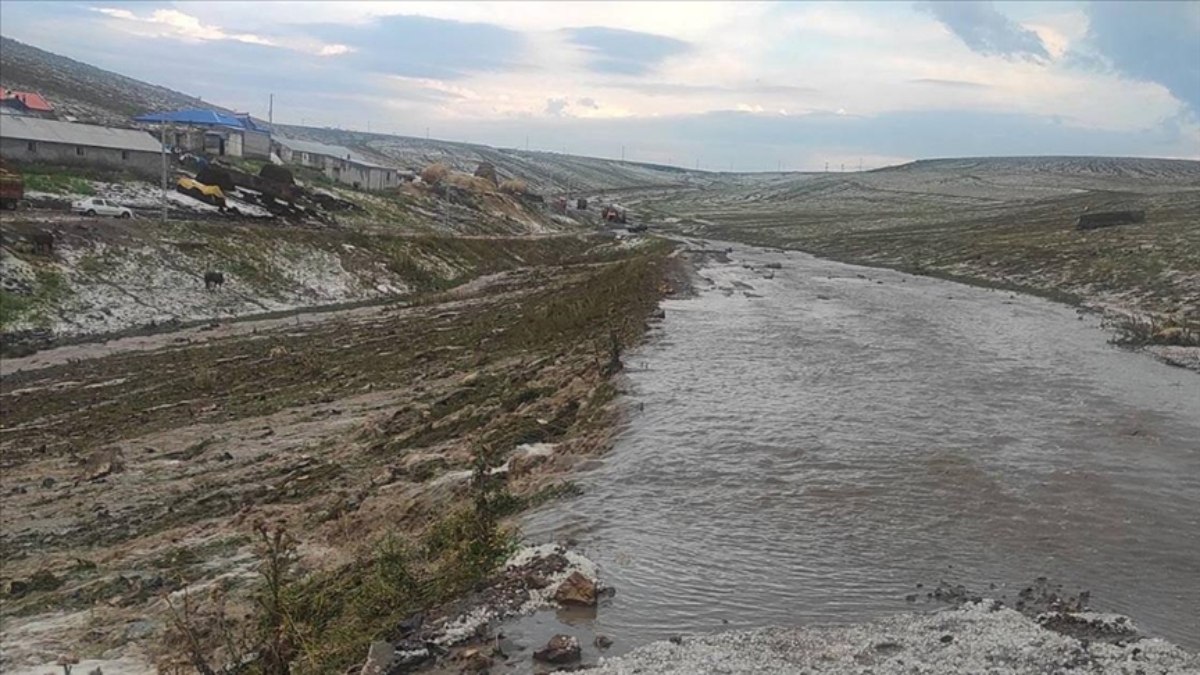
x,y
814,453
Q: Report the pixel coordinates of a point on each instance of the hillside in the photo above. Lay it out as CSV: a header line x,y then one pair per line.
x,y
546,172
83,91
1007,222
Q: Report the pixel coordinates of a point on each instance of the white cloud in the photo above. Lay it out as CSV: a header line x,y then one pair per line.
x,y
781,60
333,50
172,23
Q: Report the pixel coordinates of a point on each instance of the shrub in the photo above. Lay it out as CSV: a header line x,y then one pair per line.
x,y
1142,331
471,183
514,186
434,173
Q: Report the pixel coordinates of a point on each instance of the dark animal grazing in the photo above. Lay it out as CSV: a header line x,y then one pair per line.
x,y
581,204
1092,221
213,279
43,242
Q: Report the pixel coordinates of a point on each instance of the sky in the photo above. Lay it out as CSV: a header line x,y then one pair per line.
x,y
739,86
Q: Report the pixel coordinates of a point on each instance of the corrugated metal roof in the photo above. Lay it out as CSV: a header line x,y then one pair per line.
x,y
337,151
89,135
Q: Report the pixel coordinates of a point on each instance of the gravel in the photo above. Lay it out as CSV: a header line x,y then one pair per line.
x,y
975,638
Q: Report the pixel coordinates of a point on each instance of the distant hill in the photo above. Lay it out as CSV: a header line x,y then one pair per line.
x,y
547,172
83,91
1060,167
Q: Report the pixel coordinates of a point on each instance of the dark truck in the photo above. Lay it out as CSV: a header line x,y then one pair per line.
x,y
12,188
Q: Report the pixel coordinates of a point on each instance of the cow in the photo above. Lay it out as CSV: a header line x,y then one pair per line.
x,y
212,279
43,242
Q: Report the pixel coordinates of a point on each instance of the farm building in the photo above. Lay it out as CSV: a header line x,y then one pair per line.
x,y
338,164
29,139
212,132
25,103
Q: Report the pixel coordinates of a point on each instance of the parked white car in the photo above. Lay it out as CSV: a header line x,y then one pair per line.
x,y
95,206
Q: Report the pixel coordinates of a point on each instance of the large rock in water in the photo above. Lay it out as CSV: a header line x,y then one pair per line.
x,y
559,650
576,590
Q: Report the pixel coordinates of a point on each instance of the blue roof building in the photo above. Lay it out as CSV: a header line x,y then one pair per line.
x,y
213,132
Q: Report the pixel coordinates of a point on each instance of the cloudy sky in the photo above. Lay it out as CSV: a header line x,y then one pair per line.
x,y
752,86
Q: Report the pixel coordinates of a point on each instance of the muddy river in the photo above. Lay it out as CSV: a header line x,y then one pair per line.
x,y
811,447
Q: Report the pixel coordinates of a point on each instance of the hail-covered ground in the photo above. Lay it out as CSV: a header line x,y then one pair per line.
x,y
981,637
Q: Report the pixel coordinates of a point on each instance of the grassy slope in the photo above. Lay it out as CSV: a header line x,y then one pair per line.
x,y
1013,229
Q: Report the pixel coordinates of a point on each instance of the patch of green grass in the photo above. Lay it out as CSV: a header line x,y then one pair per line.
x,y
49,290
13,308
58,183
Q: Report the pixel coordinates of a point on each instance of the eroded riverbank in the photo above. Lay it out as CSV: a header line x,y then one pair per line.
x,y
148,488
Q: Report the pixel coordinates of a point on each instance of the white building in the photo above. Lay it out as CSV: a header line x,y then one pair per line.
x,y
30,139
338,163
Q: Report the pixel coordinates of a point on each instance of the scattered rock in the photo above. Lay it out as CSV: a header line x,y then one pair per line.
x,y
102,463
524,464
676,639
139,629
379,658
576,590
47,483
1089,626
17,588
602,642
474,660
658,314
773,266
559,650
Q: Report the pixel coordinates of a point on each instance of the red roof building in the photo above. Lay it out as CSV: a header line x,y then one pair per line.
x,y
31,100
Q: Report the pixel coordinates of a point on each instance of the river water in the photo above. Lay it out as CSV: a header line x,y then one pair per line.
x,y
813,454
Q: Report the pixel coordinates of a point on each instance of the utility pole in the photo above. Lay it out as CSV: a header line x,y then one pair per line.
x,y
843,167
164,171
271,110
826,167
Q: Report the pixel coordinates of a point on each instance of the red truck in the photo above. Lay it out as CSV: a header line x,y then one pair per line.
x,y
12,188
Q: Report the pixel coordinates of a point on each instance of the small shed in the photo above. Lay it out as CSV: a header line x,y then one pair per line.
x,y
30,139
